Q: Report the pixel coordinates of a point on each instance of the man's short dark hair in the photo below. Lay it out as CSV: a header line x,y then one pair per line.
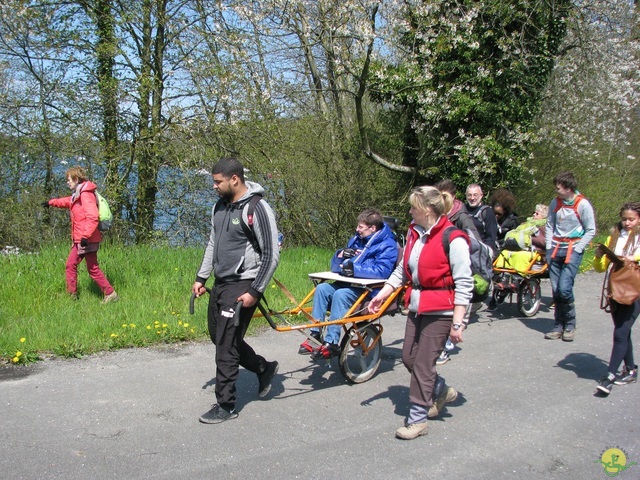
x,y
371,217
228,167
566,180
446,185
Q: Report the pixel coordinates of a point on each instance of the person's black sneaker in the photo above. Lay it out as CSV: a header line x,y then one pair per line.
x,y
308,347
606,383
217,414
326,351
628,375
265,378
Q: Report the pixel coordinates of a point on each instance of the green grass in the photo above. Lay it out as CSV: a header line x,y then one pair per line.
x,y
154,285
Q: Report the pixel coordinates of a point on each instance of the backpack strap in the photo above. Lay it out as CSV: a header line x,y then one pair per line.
x,y
574,206
478,213
447,234
248,229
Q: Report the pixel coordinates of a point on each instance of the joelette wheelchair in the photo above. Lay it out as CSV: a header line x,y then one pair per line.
x,y
519,272
361,343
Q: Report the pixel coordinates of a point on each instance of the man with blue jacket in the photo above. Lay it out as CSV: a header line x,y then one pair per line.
x,y
371,253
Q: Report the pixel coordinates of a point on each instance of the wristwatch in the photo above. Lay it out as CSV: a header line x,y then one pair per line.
x,y
458,326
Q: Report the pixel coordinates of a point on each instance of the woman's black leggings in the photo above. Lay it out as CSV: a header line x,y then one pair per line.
x,y
624,317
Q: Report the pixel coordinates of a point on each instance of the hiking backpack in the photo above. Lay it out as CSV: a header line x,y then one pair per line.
x,y
481,263
105,218
560,205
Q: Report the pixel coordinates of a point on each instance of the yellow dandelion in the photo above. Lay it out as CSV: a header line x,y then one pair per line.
x,y
179,322
148,327
159,332
193,331
22,340
164,325
114,335
132,325
15,359
124,325
18,353
186,325
273,286
173,313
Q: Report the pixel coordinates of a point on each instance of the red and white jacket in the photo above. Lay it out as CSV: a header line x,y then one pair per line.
x,y
434,272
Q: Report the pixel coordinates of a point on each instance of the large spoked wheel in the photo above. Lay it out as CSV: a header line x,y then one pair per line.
x,y
529,297
361,352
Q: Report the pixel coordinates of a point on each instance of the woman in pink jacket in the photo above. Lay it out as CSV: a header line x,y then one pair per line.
x,y
85,235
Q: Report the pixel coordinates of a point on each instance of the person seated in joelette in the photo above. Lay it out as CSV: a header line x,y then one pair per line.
x,y
371,253
522,243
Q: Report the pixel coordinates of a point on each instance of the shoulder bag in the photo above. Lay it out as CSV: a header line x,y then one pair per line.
x,y
621,284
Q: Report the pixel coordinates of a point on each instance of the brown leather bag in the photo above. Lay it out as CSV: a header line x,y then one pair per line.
x,y
623,284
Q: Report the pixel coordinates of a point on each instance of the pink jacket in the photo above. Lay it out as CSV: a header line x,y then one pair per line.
x,y
83,208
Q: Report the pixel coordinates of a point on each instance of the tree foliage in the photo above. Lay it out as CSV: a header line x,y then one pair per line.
x,y
334,105
589,121
468,79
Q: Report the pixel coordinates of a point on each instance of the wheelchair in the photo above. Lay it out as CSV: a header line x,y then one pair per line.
x,y
519,273
361,343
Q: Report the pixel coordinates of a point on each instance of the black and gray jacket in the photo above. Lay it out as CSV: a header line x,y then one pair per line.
x,y
230,255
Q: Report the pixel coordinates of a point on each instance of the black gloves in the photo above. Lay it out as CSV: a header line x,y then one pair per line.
x,y
84,242
347,269
348,253
45,204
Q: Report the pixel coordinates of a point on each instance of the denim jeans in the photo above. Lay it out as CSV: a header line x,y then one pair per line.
x,y
337,298
562,276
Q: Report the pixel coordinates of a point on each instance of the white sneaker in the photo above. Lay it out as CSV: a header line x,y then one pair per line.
x,y
443,358
112,297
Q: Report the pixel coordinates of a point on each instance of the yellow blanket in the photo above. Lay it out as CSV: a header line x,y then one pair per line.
x,y
518,261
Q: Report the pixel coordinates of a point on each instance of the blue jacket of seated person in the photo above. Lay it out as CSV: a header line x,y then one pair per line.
x,y
376,255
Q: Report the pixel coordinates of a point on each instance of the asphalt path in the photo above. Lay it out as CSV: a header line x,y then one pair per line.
x,y
526,410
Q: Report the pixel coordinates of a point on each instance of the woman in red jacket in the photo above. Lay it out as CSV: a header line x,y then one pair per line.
x,y
85,235
438,296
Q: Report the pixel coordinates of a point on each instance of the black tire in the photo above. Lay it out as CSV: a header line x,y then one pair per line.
x,y
356,365
529,297
499,296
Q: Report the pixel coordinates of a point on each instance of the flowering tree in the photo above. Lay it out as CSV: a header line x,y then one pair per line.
x,y
589,119
469,81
